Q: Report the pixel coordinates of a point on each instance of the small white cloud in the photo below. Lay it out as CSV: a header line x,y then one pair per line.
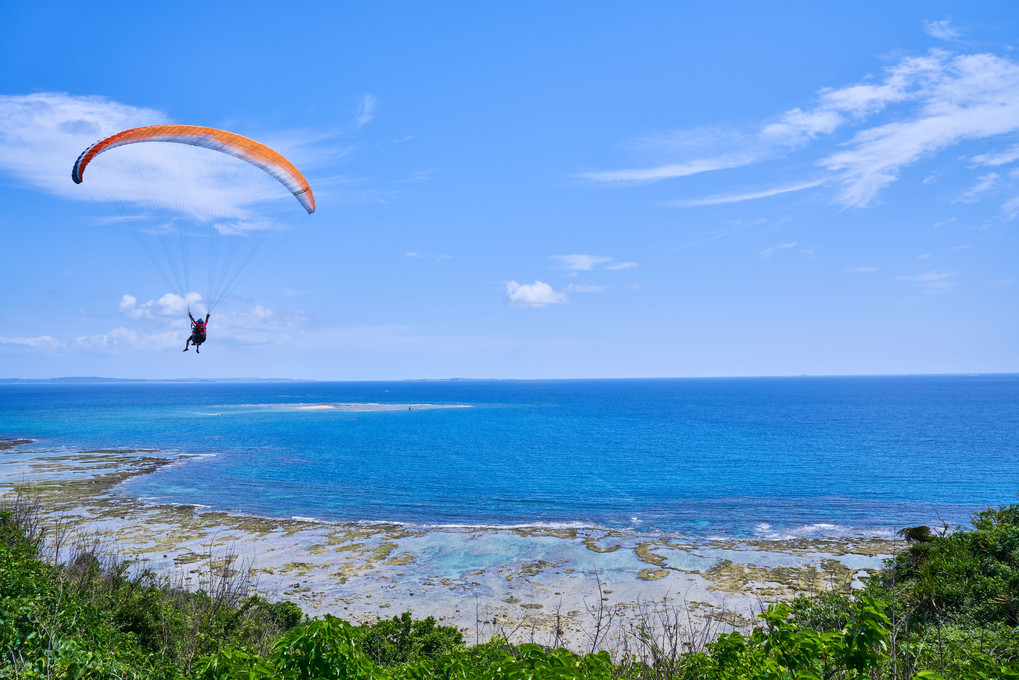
x,y
169,305
985,183
367,111
999,158
923,256
127,303
940,30
1011,208
420,176
862,270
537,294
933,281
426,256
260,313
582,288
798,124
581,262
768,252
577,262
42,342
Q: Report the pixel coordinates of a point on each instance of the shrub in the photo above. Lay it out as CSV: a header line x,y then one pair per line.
x,y
402,639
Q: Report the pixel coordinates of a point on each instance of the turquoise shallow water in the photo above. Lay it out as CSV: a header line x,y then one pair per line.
x,y
766,458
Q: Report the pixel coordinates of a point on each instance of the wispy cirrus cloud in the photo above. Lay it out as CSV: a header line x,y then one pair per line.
x,y
41,342
670,171
768,252
738,198
942,30
41,134
933,282
984,184
585,288
997,158
1011,208
955,98
366,112
582,263
927,104
428,257
122,339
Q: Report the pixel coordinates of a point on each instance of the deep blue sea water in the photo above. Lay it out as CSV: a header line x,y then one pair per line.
x,y
747,457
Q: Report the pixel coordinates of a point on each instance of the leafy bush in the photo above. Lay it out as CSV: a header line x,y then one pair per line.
x,y
403,639
967,577
785,648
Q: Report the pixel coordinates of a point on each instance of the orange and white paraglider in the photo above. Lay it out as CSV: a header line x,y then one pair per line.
x,y
199,203
246,149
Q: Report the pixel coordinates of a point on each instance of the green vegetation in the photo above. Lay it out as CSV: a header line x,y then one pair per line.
x,y
946,607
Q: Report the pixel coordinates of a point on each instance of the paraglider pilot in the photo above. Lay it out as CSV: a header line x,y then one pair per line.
x,y
197,332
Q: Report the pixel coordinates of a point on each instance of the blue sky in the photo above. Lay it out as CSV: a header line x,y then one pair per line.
x,y
535,190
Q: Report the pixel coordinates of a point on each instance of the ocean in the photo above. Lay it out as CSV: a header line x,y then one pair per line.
x,y
802,457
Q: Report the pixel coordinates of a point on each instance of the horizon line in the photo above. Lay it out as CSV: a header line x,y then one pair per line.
x,y
102,379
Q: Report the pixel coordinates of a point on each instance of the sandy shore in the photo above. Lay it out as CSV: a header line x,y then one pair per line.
x,y
581,587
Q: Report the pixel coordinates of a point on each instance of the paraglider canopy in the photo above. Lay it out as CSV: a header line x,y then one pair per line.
x,y
200,205
246,149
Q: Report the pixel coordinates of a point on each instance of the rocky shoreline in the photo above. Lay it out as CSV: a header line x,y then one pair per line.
x,y
580,586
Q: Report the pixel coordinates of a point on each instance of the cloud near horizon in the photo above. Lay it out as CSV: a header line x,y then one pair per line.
x,y
42,342
165,324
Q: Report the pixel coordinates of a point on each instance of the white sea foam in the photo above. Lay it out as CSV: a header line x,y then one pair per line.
x,y
516,527
351,407
482,526
818,530
185,458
